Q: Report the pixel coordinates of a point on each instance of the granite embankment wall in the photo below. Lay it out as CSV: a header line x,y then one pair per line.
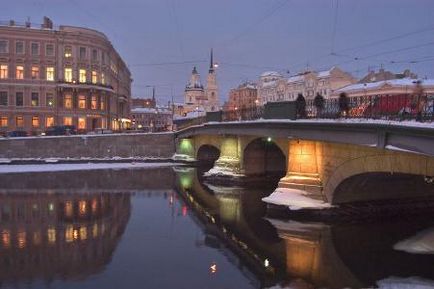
x,y
159,145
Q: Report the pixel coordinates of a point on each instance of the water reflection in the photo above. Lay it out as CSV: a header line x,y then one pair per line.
x,y
48,236
166,228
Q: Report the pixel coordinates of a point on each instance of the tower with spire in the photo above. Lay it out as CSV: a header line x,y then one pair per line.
x,y
196,96
211,86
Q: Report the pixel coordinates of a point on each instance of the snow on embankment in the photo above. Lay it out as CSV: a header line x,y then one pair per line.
x,y
295,199
78,167
405,283
421,243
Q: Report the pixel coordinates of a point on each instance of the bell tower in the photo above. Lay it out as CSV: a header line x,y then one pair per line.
x,y
212,92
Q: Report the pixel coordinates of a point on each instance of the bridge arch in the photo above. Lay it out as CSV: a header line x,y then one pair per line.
x,y
386,163
263,156
208,153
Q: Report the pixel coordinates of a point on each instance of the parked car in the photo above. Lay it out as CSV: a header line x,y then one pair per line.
x,y
101,131
17,133
61,130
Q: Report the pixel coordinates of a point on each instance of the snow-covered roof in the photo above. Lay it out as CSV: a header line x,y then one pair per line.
x,y
150,110
271,73
393,82
295,78
269,83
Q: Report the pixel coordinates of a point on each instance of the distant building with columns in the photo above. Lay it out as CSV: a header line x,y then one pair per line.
x,y
197,96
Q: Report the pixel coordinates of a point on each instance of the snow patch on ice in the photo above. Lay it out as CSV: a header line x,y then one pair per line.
x,y
421,243
183,157
405,283
222,189
78,167
391,147
5,161
223,172
295,199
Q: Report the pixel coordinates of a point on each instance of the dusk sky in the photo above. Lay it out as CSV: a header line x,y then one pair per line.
x,y
161,40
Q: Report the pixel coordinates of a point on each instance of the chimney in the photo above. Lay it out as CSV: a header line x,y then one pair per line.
x,y
28,24
11,22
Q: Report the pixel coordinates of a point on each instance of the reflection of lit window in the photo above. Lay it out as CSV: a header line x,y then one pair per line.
x,y
6,238
82,207
83,233
75,234
95,230
21,237
37,238
69,233
94,205
68,209
51,235
102,229
51,207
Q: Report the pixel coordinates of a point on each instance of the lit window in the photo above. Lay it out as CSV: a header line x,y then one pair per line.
x,y
93,103
102,103
20,72
68,75
82,101
49,121
19,47
49,50
3,121
35,99
49,99
19,120
35,48
68,51
3,71
67,101
67,120
82,52
3,98
50,73
82,125
94,77
4,46
68,205
103,78
35,72
82,75
35,121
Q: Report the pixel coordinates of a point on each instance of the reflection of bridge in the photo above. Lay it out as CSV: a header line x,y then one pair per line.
x,y
233,220
48,236
317,157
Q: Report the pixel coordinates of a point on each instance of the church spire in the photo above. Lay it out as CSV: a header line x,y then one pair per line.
x,y
211,64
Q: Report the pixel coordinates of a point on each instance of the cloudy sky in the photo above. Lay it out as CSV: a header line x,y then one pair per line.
x,y
161,40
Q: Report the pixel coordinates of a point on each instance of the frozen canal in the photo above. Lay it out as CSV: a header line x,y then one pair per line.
x,y
165,227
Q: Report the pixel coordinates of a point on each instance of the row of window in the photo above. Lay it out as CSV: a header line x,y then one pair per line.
x,y
95,77
36,121
20,48
49,100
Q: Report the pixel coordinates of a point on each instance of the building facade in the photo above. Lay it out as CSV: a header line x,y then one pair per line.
x,y
196,96
273,87
383,74
152,119
245,96
61,76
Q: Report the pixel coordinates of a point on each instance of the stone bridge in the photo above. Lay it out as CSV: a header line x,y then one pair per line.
x,y
316,158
